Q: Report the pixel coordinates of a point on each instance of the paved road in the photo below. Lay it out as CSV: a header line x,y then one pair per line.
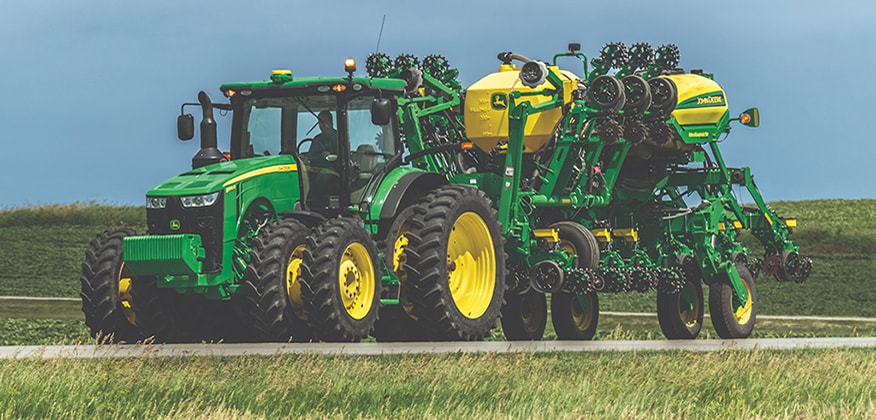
x,y
642,314
269,349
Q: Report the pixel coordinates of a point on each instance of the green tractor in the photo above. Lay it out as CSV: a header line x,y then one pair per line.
x,y
330,209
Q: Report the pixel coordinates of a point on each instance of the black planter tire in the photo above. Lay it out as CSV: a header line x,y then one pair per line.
x,y
271,303
573,320
341,281
456,264
524,316
105,286
729,318
681,314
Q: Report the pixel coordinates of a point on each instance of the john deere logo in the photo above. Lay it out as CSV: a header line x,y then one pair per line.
x,y
710,100
499,101
174,224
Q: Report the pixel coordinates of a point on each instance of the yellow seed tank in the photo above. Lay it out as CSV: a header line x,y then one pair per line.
x,y
487,102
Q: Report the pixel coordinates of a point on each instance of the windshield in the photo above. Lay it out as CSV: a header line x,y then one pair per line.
x,y
308,127
291,124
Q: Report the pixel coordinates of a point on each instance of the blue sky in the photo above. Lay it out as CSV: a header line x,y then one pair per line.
x,y
92,88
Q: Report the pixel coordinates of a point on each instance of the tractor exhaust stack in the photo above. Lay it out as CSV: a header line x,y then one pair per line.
x,y
209,152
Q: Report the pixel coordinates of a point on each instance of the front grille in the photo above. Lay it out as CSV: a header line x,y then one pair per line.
x,y
204,221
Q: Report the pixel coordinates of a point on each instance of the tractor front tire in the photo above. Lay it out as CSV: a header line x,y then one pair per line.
x,y
105,290
341,281
271,302
455,264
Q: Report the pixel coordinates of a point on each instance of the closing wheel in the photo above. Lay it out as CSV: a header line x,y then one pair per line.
x,y
681,313
271,304
105,289
729,317
524,316
575,316
456,264
340,281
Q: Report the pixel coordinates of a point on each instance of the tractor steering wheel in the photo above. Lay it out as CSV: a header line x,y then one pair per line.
x,y
301,143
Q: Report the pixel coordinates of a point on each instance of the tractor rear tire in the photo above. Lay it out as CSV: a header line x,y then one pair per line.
x,y
341,281
729,318
394,324
681,314
105,284
271,303
524,316
572,319
456,264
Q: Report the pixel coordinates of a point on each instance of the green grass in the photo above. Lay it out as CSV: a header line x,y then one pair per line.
x,y
743,384
43,248
78,214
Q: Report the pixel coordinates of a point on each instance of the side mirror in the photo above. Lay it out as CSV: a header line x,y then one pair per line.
x,y
750,117
381,111
185,127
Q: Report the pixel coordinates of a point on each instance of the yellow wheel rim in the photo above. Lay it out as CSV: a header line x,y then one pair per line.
x,y
580,317
471,265
125,298
529,315
689,306
569,247
399,258
357,282
743,313
293,272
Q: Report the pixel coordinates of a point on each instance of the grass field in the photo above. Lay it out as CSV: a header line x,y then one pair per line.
x,y
42,249
731,384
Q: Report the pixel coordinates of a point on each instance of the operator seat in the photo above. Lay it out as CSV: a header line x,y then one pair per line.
x,y
365,157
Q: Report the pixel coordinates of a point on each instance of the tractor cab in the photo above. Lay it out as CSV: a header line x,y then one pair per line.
x,y
342,132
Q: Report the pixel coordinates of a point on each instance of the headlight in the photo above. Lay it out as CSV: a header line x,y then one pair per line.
x,y
156,202
200,200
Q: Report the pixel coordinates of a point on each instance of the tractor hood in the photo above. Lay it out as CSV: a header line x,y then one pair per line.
x,y
216,177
